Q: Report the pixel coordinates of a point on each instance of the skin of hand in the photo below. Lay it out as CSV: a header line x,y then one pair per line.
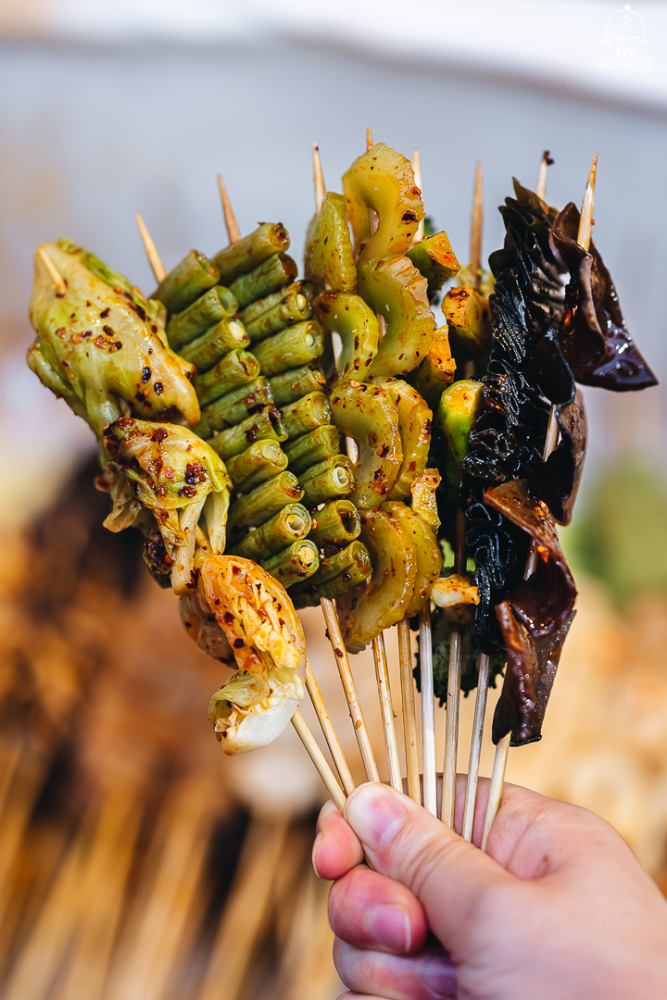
x,y
558,909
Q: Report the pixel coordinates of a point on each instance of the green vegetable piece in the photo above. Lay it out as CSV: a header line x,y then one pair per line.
x,y
306,414
329,259
293,564
235,369
275,272
97,346
293,347
234,407
247,254
356,324
338,523
458,409
469,318
435,260
214,306
186,282
294,385
427,552
368,415
205,351
334,477
266,500
335,576
366,611
261,461
437,369
414,427
169,466
310,449
289,525
383,180
394,288
264,425
114,279
284,308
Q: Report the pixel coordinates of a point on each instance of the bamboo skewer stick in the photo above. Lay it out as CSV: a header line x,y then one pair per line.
x,y
409,718
320,189
477,227
159,272
59,282
428,710
319,760
541,187
329,731
231,225
417,170
387,712
584,240
476,746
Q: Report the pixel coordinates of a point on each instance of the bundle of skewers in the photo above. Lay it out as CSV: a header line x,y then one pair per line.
x,y
286,442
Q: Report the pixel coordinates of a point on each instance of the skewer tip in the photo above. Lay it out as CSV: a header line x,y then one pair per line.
x,y
477,225
59,282
231,225
318,178
586,221
417,171
369,138
541,188
154,259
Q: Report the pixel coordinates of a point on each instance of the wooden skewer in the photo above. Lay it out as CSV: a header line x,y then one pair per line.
x,y
409,718
320,189
329,731
453,691
502,750
541,188
58,281
369,139
387,712
231,225
319,760
477,227
476,746
428,709
417,170
154,260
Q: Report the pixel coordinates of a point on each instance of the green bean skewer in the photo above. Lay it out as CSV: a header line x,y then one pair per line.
x,y
315,695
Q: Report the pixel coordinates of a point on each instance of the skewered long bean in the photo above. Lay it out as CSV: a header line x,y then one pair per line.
x,y
260,462
289,525
248,253
310,449
212,307
205,351
307,413
338,523
234,406
266,500
293,564
291,386
235,369
185,282
265,425
275,272
290,348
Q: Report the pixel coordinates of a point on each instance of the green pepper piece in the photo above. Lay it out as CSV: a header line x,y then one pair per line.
x,y
292,386
263,460
368,415
356,324
205,351
334,477
293,564
284,308
469,318
97,345
336,575
393,287
328,258
235,406
289,525
266,500
247,254
366,611
310,449
383,180
264,425
458,409
186,282
435,260
338,523
235,369
275,272
306,414
437,370
216,305
427,551
414,426
291,348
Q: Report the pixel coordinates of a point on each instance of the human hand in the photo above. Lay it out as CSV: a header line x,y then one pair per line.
x,y
559,909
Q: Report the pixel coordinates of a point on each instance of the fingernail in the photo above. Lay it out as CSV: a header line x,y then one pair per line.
x,y
375,814
390,926
439,976
316,847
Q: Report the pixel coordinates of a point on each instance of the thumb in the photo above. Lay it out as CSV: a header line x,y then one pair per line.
x,y
447,874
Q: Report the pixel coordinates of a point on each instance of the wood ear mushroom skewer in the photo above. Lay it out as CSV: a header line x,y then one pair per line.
x,y
59,282
500,764
318,703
